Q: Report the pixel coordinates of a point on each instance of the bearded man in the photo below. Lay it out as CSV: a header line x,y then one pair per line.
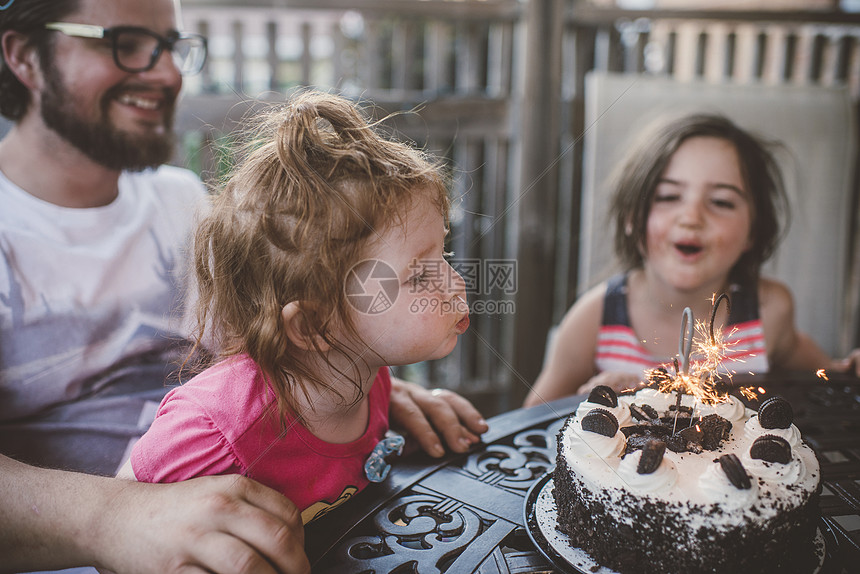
x,y
93,234
93,230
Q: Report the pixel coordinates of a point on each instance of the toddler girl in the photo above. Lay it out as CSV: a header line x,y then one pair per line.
x,y
309,270
697,209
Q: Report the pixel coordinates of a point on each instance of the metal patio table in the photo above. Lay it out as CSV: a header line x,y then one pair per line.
x,y
464,513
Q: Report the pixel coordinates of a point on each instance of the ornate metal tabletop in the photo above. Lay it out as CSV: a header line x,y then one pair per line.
x,y
464,513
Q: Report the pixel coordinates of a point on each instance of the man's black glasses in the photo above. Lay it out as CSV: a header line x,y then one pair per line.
x,y
137,49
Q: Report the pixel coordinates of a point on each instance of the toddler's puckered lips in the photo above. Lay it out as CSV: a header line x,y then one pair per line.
x,y
462,325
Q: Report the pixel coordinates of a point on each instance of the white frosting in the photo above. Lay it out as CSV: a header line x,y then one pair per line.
x,y
731,410
621,412
789,473
717,488
653,397
689,480
591,444
661,479
753,430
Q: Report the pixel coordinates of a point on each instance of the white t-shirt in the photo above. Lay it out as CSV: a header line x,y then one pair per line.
x,y
91,308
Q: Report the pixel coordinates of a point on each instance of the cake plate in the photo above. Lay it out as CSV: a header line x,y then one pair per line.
x,y
541,516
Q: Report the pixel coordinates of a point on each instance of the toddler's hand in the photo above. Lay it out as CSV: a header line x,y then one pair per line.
x,y
424,415
617,380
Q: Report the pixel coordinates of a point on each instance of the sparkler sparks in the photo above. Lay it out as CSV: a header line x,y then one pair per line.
x,y
701,377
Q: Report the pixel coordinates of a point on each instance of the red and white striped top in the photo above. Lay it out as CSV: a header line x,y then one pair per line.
x,y
618,348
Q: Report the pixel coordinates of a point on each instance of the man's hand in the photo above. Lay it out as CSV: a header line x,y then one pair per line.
x,y
227,524
424,415
52,519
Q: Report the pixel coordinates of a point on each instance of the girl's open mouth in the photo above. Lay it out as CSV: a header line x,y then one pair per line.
x,y
688,248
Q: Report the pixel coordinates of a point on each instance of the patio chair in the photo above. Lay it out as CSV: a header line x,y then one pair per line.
x,y
817,126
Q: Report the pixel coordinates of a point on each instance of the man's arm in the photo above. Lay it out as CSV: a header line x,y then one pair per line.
x,y
54,519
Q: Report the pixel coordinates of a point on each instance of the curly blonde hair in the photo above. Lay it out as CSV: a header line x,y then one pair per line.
x,y
319,182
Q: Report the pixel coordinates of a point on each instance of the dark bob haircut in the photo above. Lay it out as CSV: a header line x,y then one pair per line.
x,y
636,180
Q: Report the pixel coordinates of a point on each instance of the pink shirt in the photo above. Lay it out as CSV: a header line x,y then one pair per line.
x,y
224,421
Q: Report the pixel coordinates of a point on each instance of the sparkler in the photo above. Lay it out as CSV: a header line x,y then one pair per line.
x,y
685,347
716,305
677,409
699,377
685,342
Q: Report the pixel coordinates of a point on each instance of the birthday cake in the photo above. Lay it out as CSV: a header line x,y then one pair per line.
x,y
667,482
683,477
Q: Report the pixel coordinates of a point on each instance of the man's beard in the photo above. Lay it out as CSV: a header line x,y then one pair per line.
x,y
99,140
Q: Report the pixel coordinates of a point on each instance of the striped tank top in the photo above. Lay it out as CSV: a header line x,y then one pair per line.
x,y
618,348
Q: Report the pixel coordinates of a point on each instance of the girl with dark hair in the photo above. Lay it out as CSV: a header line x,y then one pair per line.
x,y
699,206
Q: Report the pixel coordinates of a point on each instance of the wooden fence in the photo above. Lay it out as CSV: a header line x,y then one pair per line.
x,y
498,89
